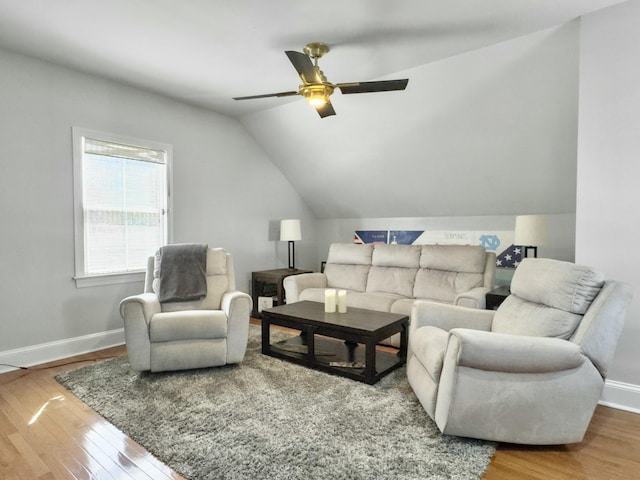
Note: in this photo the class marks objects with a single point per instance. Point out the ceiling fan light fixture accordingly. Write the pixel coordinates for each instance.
(317, 99)
(316, 95)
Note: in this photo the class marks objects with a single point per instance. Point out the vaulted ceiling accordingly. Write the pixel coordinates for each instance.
(208, 51)
(465, 120)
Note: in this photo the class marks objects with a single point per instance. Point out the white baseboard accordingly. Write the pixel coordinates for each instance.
(52, 351)
(623, 396)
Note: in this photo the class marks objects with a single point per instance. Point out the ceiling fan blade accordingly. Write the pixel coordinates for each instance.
(325, 110)
(267, 95)
(368, 87)
(303, 65)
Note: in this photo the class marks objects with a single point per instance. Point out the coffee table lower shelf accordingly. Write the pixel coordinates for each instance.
(331, 353)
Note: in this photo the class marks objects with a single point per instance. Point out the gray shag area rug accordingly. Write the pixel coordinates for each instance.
(270, 419)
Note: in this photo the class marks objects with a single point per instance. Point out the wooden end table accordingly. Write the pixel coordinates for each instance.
(272, 280)
(496, 296)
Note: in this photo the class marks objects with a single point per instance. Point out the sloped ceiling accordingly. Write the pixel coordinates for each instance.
(487, 125)
(208, 51)
(488, 132)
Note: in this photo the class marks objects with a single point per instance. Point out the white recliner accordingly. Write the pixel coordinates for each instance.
(531, 372)
(179, 335)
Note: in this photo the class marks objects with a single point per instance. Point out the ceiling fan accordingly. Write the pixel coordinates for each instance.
(316, 89)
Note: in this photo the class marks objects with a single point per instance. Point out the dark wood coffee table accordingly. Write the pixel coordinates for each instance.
(354, 357)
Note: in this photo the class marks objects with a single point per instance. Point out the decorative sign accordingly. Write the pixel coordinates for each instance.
(508, 255)
(404, 237)
(371, 236)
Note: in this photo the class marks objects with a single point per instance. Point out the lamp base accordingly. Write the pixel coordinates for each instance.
(292, 255)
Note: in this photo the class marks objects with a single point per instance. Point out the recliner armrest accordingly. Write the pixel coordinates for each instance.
(502, 352)
(146, 304)
(295, 284)
(426, 313)
(231, 301)
(137, 311)
(237, 306)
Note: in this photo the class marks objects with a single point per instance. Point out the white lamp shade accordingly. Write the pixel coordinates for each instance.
(531, 230)
(290, 230)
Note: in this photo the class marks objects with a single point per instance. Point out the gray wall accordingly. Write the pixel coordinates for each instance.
(609, 168)
(226, 193)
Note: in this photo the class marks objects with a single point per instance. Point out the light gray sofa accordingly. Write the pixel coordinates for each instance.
(530, 372)
(389, 277)
(180, 335)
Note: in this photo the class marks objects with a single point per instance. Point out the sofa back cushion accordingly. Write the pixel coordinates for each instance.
(396, 280)
(448, 270)
(548, 298)
(404, 256)
(348, 265)
(350, 253)
(393, 269)
(453, 258)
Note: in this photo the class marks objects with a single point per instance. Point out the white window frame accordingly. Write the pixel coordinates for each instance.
(78, 134)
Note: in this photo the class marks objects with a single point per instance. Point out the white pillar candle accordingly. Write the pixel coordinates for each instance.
(330, 300)
(342, 301)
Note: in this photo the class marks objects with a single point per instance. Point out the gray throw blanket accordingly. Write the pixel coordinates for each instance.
(182, 272)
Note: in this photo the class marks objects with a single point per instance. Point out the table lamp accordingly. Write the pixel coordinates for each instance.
(531, 232)
(290, 232)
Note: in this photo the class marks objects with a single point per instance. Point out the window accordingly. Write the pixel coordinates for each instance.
(121, 194)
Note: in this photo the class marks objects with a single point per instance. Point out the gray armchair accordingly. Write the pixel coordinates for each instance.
(531, 372)
(179, 335)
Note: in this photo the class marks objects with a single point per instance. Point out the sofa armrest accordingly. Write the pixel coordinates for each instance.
(237, 307)
(474, 298)
(425, 313)
(501, 352)
(295, 284)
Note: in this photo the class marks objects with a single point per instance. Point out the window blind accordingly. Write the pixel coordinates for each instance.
(124, 205)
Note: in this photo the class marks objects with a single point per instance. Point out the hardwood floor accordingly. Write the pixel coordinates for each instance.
(46, 433)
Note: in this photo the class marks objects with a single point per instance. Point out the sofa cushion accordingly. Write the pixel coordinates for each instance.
(407, 256)
(349, 277)
(404, 305)
(448, 270)
(453, 258)
(350, 254)
(395, 280)
(380, 302)
(561, 285)
(444, 285)
(370, 301)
